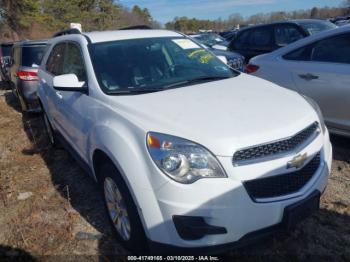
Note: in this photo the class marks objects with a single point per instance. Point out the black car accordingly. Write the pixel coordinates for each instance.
(5, 60)
(261, 39)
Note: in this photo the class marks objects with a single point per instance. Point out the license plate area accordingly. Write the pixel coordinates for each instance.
(297, 212)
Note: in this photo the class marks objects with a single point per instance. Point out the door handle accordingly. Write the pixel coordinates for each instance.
(59, 95)
(308, 77)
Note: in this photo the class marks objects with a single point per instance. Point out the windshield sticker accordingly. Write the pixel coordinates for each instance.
(185, 44)
(202, 56)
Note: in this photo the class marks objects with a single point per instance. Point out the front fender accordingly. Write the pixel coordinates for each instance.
(127, 150)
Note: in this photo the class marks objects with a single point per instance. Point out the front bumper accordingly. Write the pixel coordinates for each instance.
(225, 203)
(248, 239)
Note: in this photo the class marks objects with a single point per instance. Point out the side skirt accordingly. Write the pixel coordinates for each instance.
(81, 162)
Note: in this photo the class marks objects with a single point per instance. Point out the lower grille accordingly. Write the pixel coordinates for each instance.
(284, 184)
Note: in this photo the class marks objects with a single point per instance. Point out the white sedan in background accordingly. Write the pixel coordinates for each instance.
(318, 67)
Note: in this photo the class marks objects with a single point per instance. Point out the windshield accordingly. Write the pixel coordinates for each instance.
(317, 27)
(32, 55)
(154, 64)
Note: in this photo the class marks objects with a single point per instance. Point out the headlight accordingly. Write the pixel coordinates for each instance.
(182, 160)
(318, 111)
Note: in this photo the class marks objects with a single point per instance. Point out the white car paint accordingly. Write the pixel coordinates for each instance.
(330, 88)
(223, 116)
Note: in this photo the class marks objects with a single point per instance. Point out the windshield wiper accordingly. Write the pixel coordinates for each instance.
(195, 80)
(173, 85)
(134, 92)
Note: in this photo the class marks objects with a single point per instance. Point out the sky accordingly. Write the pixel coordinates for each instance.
(165, 10)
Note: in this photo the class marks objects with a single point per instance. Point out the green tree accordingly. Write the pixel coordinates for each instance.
(18, 14)
(144, 14)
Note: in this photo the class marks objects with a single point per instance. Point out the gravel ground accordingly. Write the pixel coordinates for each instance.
(51, 210)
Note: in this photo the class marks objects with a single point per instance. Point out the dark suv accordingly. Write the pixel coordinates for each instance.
(5, 59)
(26, 59)
(261, 39)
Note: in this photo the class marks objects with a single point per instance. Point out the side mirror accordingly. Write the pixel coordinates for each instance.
(68, 82)
(223, 58)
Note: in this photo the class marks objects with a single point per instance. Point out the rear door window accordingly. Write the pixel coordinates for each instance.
(32, 55)
(242, 40)
(261, 38)
(333, 50)
(286, 34)
(54, 63)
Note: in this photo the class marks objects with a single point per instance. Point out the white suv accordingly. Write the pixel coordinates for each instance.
(189, 153)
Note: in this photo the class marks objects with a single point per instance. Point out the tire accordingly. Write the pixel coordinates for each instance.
(49, 131)
(135, 240)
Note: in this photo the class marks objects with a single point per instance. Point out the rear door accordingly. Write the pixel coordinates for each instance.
(74, 107)
(53, 67)
(241, 44)
(322, 72)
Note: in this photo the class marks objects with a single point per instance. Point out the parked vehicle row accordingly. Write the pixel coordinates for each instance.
(188, 153)
(262, 39)
(318, 67)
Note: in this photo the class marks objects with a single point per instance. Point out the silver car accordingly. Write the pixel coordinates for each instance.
(26, 58)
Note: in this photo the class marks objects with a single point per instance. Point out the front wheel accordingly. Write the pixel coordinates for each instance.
(122, 211)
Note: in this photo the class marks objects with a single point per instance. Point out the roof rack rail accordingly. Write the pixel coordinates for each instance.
(71, 31)
(136, 27)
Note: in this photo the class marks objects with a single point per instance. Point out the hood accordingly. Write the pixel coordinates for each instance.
(223, 115)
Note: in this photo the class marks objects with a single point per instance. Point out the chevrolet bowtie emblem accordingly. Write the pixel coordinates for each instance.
(297, 161)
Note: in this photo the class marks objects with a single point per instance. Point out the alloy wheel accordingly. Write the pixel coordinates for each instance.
(117, 208)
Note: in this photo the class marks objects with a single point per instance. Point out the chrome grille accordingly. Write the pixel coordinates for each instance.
(284, 184)
(275, 148)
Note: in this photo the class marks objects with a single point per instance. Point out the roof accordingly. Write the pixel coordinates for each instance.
(7, 44)
(106, 36)
(292, 21)
(311, 39)
(32, 42)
